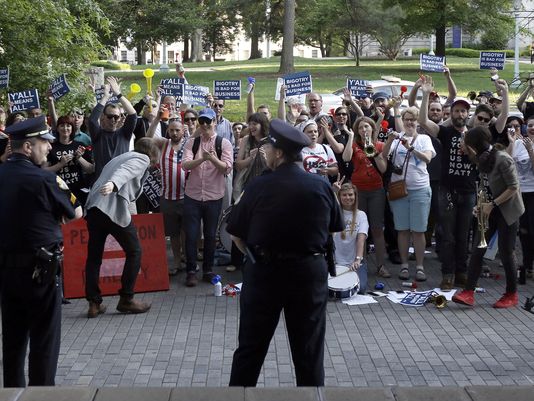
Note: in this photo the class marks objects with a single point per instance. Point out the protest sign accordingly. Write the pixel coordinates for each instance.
(173, 87)
(431, 63)
(358, 87)
(490, 60)
(152, 187)
(416, 298)
(59, 87)
(4, 77)
(99, 94)
(298, 83)
(227, 90)
(25, 100)
(196, 95)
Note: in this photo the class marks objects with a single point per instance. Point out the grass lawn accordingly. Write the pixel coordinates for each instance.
(327, 75)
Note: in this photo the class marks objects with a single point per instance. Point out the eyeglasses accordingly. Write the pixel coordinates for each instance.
(514, 126)
(203, 120)
(341, 114)
(220, 106)
(188, 119)
(483, 119)
(113, 116)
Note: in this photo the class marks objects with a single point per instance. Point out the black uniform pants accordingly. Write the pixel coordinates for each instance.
(30, 311)
(100, 226)
(300, 289)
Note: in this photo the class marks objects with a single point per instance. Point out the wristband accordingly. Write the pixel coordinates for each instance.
(119, 95)
(397, 116)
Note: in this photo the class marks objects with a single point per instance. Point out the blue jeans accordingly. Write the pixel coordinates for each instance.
(208, 213)
(456, 216)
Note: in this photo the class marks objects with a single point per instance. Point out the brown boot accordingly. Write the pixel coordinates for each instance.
(95, 309)
(447, 282)
(129, 305)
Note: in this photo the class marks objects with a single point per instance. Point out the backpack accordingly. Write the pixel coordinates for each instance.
(218, 146)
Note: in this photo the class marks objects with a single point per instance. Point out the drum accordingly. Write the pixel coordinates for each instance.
(224, 237)
(344, 285)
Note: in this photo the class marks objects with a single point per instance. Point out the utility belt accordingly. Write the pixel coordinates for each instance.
(45, 263)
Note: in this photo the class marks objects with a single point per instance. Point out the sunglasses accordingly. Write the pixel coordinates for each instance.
(220, 106)
(188, 119)
(203, 120)
(113, 116)
(341, 114)
(483, 119)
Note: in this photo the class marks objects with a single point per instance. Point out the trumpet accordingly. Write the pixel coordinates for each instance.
(368, 147)
(439, 300)
(482, 197)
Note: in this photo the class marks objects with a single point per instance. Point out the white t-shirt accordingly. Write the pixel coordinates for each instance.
(525, 171)
(346, 248)
(417, 176)
(319, 157)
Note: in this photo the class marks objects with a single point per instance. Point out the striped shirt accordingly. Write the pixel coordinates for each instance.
(172, 174)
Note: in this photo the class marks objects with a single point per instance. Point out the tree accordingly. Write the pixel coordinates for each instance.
(41, 39)
(220, 25)
(287, 63)
(439, 15)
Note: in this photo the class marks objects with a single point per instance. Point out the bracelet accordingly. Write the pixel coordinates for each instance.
(397, 116)
(119, 95)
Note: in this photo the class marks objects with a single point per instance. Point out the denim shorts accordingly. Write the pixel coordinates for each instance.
(411, 212)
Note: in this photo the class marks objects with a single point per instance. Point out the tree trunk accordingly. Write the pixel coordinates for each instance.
(185, 56)
(287, 62)
(440, 41)
(196, 46)
(141, 55)
(254, 42)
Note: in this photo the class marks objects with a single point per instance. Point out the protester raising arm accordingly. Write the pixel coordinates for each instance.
(430, 126)
(347, 152)
(521, 100)
(502, 89)
(353, 105)
(281, 104)
(52, 110)
(412, 96)
(325, 131)
(451, 86)
(250, 102)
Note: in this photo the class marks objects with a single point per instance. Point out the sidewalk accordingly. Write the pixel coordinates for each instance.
(188, 339)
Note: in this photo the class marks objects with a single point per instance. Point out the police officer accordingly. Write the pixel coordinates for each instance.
(282, 223)
(32, 205)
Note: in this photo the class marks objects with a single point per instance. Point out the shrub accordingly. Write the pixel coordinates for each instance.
(420, 50)
(111, 65)
(472, 53)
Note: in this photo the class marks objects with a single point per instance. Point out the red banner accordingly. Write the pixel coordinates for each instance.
(153, 275)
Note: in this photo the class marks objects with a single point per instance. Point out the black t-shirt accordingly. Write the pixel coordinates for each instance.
(457, 171)
(72, 173)
(434, 167)
(383, 133)
(499, 137)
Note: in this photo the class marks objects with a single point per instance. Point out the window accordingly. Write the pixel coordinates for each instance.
(170, 56)
(315, 53)
(124, 55)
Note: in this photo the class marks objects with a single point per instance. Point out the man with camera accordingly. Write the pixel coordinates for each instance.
(34, 202)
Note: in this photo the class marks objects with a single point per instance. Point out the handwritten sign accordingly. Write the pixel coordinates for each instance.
(358, 87)
(59, 87)
(173, 87)
(99, 94)
(153, 275)
(227, 90)
(298, 83)
(431, 63)
(490, 60)
(25, 100)
(196, 95)
(4, 77)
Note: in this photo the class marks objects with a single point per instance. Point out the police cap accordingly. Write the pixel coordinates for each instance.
(30, 128)
(286, 137)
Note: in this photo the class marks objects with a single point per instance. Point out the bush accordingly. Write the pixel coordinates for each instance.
(420, 50)
(472, 53)
(111, 65)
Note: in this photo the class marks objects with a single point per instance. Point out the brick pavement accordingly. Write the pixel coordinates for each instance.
(188, 338)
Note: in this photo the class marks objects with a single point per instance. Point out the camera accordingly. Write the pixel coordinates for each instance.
(397, 169)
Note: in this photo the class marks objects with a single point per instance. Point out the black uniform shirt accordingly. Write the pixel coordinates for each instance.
(287, 210)
(31, 206)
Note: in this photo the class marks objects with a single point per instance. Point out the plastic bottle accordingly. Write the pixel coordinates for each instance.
(407, 284)
(480, 289)
(217, 286)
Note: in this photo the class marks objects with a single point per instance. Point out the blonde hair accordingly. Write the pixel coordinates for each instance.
(414, 111)
(349, 187)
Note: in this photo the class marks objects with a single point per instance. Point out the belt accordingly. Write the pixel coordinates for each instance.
(266, 255)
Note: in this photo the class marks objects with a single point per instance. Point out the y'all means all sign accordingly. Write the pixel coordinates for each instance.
(24, 100)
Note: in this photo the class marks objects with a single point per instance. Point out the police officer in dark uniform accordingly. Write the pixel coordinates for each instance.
(32, 205)
(282, 223)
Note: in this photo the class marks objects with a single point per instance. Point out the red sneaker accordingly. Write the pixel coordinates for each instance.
(507, 300)
(466, 297)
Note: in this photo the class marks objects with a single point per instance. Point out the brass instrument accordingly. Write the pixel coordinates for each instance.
(368, 147)
(482, 197)
(437, 299)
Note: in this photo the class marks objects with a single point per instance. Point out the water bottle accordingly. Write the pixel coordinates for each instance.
(251, 83)
(217, 286)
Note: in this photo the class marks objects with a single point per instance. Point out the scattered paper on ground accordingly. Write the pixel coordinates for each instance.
(358, 299)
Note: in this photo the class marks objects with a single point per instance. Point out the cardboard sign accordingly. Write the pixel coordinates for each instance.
(4, 77)
(153, 275)
(431, 63)
(358, 87)
(227, 90)
(152, 187)
(416, 298)
(490, 60)
(298, 83)
(25, 100)
(196, 95)
(99, 94)
(173, 87)
(59, 87)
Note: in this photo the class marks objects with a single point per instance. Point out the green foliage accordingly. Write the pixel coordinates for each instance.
(111, 65)
(473, 53)
(42, 39)
(220, 25)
